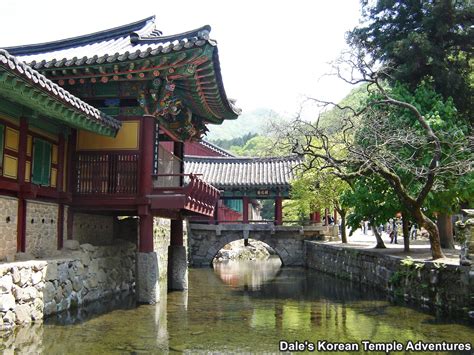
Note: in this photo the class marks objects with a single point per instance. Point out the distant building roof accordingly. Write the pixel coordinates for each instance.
(216, 148)
(24, 85)
(243, 172)
(199, 83)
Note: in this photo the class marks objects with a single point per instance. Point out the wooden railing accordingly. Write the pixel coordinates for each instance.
(199, 196)
(107, 173)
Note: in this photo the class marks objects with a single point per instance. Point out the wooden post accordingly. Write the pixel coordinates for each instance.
(315, 217)
(146, 233)
(71, 153)
(178, 151)
(278, 210)
(245, 210)
(176, 233)
(60, 228)
(21, 220)
(335, 217)
(21, 226)
(326, 216)
(22, 151)
(215, 218)
(146, 155)
(59, 188)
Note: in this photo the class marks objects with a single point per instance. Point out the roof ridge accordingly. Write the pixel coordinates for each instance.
(235, 159)
(38, 48)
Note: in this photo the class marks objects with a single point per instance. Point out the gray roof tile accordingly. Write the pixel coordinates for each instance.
(224, 172)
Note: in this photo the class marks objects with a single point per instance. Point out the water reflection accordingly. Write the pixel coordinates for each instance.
(227, 310)
(248, 274)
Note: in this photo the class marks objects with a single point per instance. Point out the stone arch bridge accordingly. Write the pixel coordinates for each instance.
(206, 240)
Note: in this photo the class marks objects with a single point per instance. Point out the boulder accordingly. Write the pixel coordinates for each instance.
(6, 283)
(22, 313)
(7, 302)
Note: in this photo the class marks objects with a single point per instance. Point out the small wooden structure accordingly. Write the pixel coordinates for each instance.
(246, 179)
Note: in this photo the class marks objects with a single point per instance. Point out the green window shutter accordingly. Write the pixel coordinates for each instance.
(41, 162)
(46, 163)
(2, 132)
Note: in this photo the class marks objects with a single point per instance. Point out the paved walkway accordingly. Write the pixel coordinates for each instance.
(419, 249)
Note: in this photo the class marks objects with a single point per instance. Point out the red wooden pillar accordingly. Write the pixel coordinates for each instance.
(146, 233)
(245, 210)
(176, 233)
(146, 155)
(21, 226)
(215, 217)
(59, 187)
(315, 217)
(146, 183)
(71, 153)
(278, 210)
(178, 151)
(21, 220)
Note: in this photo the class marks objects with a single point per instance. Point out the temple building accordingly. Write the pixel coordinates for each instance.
(83, 126)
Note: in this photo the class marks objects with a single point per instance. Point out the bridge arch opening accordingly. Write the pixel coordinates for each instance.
(248, 250)
(246, 265)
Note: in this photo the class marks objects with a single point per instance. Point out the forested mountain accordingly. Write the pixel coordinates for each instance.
(252, 122)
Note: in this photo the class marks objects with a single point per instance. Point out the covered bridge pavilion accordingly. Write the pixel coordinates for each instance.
(247, 179)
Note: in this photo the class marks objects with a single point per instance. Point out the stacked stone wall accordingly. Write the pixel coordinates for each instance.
(93, 229)
(161, 241)
(449, 288)
(32, 290)
(8, 227)
(41, 228)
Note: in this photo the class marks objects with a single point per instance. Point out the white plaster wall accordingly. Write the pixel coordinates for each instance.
(93, 229)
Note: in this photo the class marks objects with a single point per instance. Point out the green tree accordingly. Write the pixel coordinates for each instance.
(421, 39)
(313, 190)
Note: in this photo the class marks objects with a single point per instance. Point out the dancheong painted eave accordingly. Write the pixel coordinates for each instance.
(238, 172)
(26, 86)
(140, 45)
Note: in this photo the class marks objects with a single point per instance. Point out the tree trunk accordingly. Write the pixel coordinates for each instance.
(380, 243)
(406, 233)
(432, 229)
(342, 213)
(445, 227)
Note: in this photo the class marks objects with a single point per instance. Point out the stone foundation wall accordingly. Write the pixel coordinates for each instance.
(41, 228)
(93, 229)
(8, 227)
(34, 289)
(161, 241)
(446, 287)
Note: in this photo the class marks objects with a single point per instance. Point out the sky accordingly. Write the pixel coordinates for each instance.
(273, 54)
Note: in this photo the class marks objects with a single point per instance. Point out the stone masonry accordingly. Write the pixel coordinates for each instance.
(92, 228)
(31, 290)
(287, 241)
(425, 283)
(8, 227)
(41, 228)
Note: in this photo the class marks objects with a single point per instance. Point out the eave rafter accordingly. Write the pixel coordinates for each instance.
(21, 92)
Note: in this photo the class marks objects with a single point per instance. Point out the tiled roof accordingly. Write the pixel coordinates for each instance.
(137, 41)
(129, 42)
(216, 148)
(12, 69)
(243, 172)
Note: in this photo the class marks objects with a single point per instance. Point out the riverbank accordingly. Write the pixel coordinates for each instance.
(442, 285)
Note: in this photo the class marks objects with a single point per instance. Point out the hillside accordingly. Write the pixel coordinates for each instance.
(253, 122)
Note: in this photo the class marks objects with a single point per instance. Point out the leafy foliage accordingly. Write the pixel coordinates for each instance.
(419, 40)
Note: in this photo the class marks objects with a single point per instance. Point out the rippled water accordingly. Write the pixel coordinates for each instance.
(237, 307)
